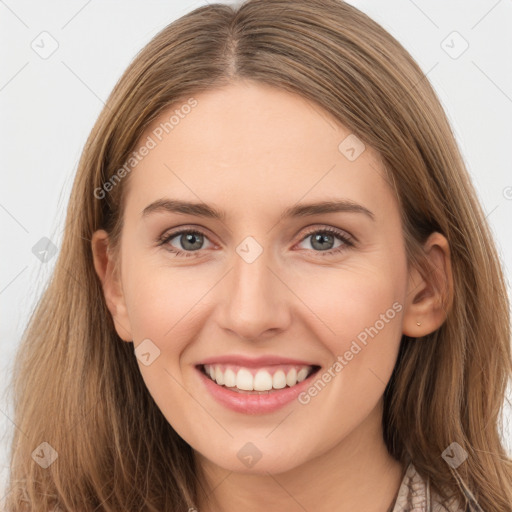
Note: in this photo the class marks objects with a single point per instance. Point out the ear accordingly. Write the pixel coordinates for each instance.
(429, 294)
(107, 271)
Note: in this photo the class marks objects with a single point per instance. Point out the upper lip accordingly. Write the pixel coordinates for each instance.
(253, 362)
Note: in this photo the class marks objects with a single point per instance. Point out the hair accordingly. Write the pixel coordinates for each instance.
(78, 387)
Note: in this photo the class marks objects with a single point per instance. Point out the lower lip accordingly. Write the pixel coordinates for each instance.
(254, 403)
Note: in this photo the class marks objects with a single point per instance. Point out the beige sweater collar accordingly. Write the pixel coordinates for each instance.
(415, 494)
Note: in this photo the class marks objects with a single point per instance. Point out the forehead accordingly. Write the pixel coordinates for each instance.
(250, 145)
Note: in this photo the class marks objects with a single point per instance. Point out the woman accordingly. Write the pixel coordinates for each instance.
(259, 367)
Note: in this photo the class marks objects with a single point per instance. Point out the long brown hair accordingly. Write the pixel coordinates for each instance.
(77, 385)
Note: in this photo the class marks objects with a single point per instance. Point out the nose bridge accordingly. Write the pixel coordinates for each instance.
(254, 299)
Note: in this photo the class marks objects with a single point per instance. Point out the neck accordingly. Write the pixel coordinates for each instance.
(356, 474)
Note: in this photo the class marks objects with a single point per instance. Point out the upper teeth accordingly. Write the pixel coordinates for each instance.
(262, 380)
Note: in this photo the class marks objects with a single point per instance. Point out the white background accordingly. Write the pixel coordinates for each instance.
(48, 106)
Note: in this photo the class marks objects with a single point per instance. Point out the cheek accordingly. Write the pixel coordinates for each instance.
(358, 318)
(347, 302)
(363, 312)
(163, 305)
(160, 300)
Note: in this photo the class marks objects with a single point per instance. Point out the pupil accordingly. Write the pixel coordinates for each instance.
(321, 237)
(190, 238)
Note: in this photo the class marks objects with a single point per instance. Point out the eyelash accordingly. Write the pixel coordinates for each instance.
(347, 241)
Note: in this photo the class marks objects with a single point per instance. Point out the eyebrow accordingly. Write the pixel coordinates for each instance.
(299, 210)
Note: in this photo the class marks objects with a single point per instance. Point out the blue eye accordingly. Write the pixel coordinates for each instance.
(322, 238)
(191, 241)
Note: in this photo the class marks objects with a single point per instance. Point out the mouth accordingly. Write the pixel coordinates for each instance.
(257, 381)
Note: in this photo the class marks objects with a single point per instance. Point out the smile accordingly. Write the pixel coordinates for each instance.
(253, 390)
(257, 380)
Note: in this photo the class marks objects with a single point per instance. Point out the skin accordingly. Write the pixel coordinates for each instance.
(253, 150)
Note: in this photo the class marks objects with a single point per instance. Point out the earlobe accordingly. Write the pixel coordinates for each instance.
(430, 293)
(105, 268)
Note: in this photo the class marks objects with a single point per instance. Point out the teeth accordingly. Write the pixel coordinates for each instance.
(229, 378)
(279, 380)
(246, 380)
(262, 381)
(302, 375)
(219, 376)
(291, 377)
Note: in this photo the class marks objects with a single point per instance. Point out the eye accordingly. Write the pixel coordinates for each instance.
(322, 241)
(190, 240)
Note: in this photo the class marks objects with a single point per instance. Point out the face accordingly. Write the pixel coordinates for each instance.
(268, 291)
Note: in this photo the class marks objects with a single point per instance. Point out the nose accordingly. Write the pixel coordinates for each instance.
(255, 299)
